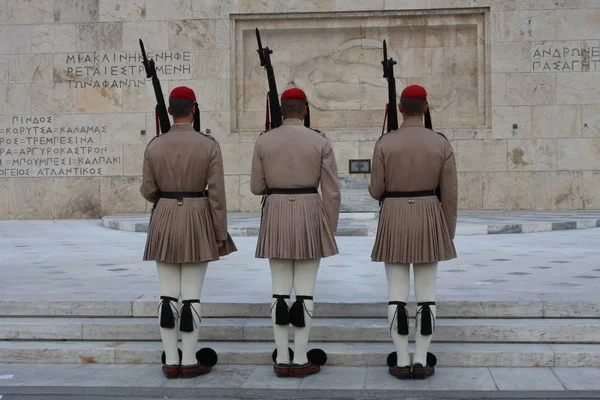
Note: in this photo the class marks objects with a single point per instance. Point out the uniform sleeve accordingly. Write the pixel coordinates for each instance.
(330, 186)
(449, 189)
(216, 193)
(258, 183)
(377, 185)
(149, 188)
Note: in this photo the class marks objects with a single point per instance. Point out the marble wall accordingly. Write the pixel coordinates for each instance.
(514, 84)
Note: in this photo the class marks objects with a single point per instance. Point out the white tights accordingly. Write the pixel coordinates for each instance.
(181, 281)
(300, 275)
(398, 277)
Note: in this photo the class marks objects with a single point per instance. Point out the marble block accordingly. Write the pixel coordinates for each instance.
(79, 198)
(31, 198)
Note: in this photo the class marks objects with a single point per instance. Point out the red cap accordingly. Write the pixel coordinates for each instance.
(293, 94)
(414, 92)
(183, 92)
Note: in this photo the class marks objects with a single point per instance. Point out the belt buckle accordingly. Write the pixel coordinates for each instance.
(292, 199)
(411, 201)
(180, 201)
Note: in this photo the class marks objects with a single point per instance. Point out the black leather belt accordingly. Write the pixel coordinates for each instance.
(181, 195)
(308, 190)
(416, 193)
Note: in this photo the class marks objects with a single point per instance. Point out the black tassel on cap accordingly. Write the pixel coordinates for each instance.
(297, 311)
(167, 319)
(401, 316)
(428, 124)
(197, 118)
(187, 318)
(307, 116)
(427, 319)
(282, 312)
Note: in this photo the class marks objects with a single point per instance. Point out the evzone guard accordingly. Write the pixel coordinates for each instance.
(297, 226)
(414, 178)
(183, 177)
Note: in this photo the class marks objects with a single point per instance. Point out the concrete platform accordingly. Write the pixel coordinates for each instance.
(365, 223)
(229, 382)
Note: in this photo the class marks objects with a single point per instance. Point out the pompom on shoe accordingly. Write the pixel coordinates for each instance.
(207, 358)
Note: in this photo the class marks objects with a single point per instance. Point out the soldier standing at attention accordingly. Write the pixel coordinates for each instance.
(188, 228)
(297, 227)
(411, 167)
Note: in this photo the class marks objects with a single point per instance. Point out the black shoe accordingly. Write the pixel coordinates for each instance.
(422, 372)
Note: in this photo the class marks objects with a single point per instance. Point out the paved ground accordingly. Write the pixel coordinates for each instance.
(81, 260)
(365, 224)
(239, 381)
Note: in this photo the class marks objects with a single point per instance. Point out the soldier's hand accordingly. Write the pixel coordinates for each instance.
(220, 244)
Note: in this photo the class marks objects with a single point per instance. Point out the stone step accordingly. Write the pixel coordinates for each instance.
(146, 307)
(339, 354)
(323, 330)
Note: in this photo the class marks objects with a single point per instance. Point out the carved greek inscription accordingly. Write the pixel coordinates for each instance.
(552, 58)
(120, 69)
(34, 146)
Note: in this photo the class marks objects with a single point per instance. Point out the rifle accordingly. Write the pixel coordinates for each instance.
(391, 108)
(162, 117)
(276, 118)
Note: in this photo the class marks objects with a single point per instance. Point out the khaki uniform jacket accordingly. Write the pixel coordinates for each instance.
(183, 160)
(293, 156)
(414, 158)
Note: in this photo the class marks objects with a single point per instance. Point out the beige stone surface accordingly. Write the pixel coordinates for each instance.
(591, 189)
(590, 116)
(212, 64)
(543, 190)
(31, 198)
(562, 4)
(498, 89)
(567, 190)
(16, 39)
(530, 89)
(508, 190)
(504, 119)
(54, 38)
(122, 10)
(3, 11)
(30, 11)
(262, 6)
(248, 201)
(511, 57)
(223, 34)
(208, 9)
(470, 190)
(481, 155)
(105, 100)
(578, 88)
(192, 34)
(237, 157)
(355, 5)
(76, 10)
(577, 24)
(121, 195)
(4, 195)
(30, 68)
(345, 151)
(99, 37)
(77, 198)
(366, 148)
(53, 98)
(175, 9)
(15, 99)
(113, 129)
(153, 33)
(140, 99)
(579, 154)
(311, 5)
(232, 192)
(133, 159)
(520, 26)
(532, 154)
(4, 69)
(556, 121)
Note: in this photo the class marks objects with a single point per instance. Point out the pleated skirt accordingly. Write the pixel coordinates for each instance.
(412, 232)
(183, 234)
(295, 229)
